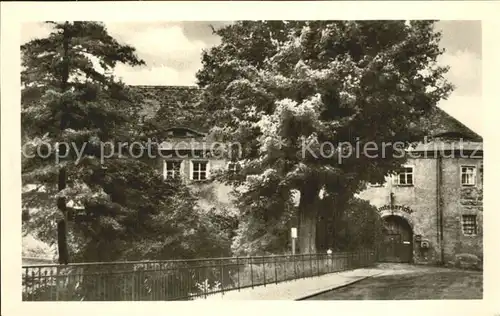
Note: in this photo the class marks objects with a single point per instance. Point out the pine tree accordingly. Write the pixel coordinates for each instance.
(282, 89)
(68, 101)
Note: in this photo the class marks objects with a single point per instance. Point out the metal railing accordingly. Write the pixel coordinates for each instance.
(177, 279)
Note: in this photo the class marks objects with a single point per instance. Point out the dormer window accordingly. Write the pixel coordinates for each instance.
(182, 132)
(199, 170)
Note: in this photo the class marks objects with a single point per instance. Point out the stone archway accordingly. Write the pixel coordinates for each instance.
(397, 245)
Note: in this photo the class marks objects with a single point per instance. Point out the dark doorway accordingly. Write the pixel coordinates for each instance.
(397, 245)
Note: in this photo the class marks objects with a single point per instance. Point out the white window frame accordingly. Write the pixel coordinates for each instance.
(473, 175)
(396, 177)
(475, 224)
(166, 171)
(192, 171)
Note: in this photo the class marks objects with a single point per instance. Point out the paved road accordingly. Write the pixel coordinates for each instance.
(407, 282)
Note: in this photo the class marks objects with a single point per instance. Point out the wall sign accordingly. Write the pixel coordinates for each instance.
(402, 208)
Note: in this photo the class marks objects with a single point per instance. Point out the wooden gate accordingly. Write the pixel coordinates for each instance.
(397, 245)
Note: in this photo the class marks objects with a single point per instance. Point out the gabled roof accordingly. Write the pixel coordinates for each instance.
(183, 138)
(158, 96)
(173, 106)
(439, 124)
(440, 146)
(436, 123)
(186, 145)
(181, 131)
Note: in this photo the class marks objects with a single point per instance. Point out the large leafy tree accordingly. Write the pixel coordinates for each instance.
(116, 205)
(295, 94)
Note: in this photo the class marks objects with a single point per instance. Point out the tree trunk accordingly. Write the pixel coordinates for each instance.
(308, 220)
(324, 226)
(307, 232)
(62, 243)
(62, 225)
(339, 227)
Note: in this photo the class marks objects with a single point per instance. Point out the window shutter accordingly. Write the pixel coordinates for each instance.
(191, 168)
(395, 179)
(164, 169)
(181, 170)
(208, 169)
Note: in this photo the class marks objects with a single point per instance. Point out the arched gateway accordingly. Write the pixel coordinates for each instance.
(397, 243)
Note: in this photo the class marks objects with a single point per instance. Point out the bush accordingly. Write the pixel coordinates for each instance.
(468, 261)
(356, 224)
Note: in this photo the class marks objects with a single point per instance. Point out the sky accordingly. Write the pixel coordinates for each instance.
(172, 52)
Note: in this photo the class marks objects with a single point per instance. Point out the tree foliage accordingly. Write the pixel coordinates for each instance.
(358, 227)
(265, 217)
(284, 89)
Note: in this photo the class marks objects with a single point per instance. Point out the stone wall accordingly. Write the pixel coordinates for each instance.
(461, 200)
(211, 193)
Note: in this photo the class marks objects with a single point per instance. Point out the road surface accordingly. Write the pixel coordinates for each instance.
(408, 282)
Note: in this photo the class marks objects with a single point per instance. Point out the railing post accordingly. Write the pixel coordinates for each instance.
(264, 268)
(251, 270)
(317, 263)
(205, 282)
(303, 265)
(294, 268)
(222, 275)
(330, 263)
(275, 271)
(310, 263)
(132, 279)
(285, 265)
(57, 282)
(238, 271)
